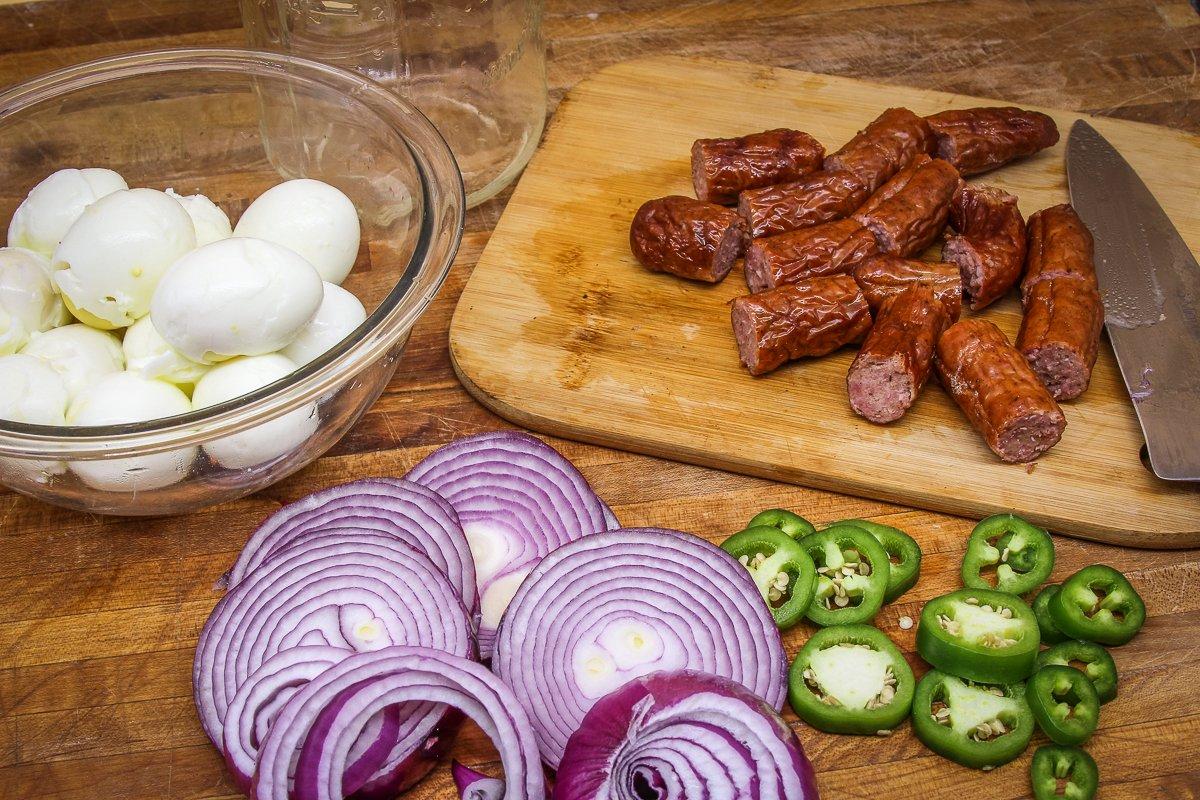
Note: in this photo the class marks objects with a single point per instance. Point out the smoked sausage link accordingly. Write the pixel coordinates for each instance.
(881, 277)
(808, 319)
(997, 390)
(976, 140)
(721, 168)
(828, 249)
(686, 237)
(819, 197)
(1060, 246)
(894, 361)
(884, 147)
(908, 212)
(989, 247)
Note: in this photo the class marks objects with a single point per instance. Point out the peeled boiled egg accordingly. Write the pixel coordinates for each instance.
(128, 397)
(45, 215)
(28, 302)
(81, 355)
(265, 441)
(212, 224)
(339, 314)
(310, 217)
(33, 393)
(236, 297)
(151, 356)
(112, 258)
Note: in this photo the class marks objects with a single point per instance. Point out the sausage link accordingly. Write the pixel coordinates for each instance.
(894, 361)
(808, 319)
(820, 197)
(881, 277)
(1060, 334)
(976, 140)
(828, 249)
(908, 212)
(884, 147)
(721, 168)
(997, 390)
(686, 237)
(1060, 245)
(989, 247)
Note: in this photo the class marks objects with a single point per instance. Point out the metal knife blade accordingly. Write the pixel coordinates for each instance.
(1150, 282)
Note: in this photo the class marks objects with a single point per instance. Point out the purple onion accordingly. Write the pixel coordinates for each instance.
(474, 785)
(325, 719)
(675, 735)
(517, 499)
(608, 608)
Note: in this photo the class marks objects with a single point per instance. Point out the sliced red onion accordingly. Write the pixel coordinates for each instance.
(327, 717)
(415, 514)
(474, 785)
(611, 607)
(675, 735)
(517, 499)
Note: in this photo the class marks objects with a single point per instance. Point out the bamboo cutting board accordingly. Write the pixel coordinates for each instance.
(560, 330)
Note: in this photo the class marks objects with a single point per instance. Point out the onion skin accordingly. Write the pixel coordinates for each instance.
(638, 739)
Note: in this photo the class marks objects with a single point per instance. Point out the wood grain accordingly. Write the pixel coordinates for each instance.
(88, 711)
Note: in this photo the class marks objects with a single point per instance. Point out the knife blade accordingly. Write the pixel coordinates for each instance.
(1150, 283)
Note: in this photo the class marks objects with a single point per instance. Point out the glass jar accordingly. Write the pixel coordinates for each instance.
(476, 68)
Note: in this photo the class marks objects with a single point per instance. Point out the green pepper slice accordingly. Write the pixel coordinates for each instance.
(851, 679)
(1097, 663)
(1041, 609)
(976, 725)
(782, 570)
(1063, 773)
(904, 555)
(1098, 604)
(852, 575)
(1064, 703)
(979, 634)
(1023, 555)
(793, 525)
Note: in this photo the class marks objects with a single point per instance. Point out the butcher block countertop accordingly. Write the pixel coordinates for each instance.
(99, 617)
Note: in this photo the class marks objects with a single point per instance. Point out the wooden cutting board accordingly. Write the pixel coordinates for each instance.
(560, 330)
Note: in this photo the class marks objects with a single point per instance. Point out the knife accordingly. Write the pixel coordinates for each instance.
(1150, 283)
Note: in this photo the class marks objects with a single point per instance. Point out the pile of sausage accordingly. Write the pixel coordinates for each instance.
(830, 246)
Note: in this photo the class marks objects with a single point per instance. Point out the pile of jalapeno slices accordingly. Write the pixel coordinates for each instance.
(1001, 668)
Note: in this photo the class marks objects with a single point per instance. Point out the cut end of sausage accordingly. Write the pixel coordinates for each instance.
(745, 333)
(1026, 437)
(729, 248)
(1060, 370)
(700, 177)
(880, 390)
(758, 269)
(959, 251)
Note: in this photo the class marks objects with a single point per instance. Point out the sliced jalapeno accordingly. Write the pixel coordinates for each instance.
(851, 679)
(904, 555)
(793, 525)
(979, 634)
(976, 725)
(1023, 555)
(1096, 663)
(1098, 604)
(782, 570)
(1041, 609)
(1063, 773)
(852, 575)
(1064, 703)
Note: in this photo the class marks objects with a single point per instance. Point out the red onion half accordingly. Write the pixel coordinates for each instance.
(608, 608)
(675, 735)
(325, 719)
(517, 499)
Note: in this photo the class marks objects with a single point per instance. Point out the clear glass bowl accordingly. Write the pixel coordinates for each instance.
(230, 124)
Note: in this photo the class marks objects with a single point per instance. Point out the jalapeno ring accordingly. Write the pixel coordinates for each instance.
(1070, 766)
(979, 634)
(976, 725)
(1098, 604)
(783, 572)
(1064, 703)
(1098, 664)
(793, 525)
(904, 555)
(852, 575)
(1023, 555)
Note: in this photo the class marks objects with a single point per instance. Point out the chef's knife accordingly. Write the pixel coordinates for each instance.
(1150, 282)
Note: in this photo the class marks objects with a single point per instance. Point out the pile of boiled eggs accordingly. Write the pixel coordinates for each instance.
(122, 305)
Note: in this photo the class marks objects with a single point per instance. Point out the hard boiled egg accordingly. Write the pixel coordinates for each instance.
(79, 354)
(51, 207)
(310, 217)
(114, 255)
(149, 355)
(268, 440)
(33, 393)
(339, 314)
(28, 302)
(128, 397)
(236, 297)
(212, 224)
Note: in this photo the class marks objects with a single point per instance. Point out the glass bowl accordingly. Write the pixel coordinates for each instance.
(230, 124)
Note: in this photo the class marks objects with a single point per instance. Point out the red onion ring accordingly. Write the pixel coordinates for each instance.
(325, 718)
(415, 514)
(611, 607)
(675, 735)
(517, 499)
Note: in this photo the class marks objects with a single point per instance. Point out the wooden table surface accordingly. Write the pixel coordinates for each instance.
(99, 617)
